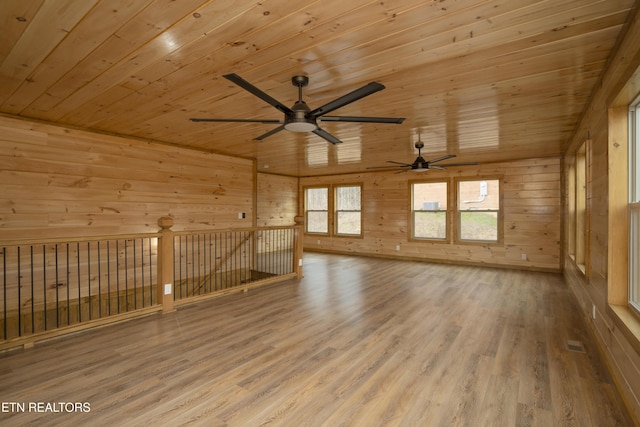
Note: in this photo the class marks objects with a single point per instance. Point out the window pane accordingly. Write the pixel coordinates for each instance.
(317, 199)
(317, 210)
(317, 222)
(430, 196)
(430, 225)
(429, 206)
(348, 223)
(479, 195)
(634, 256)
(348, 215)
(348, 198)
(478, 225)
(580, 212)
(478, 205)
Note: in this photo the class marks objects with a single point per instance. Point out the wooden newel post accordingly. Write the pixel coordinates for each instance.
(165, 264)
(298, 247)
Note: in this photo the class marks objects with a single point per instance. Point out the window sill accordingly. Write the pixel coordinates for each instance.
(628, 323)
(478, 242)
(428, 240)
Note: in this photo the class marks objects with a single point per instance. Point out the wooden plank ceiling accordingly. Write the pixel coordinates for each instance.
(487, 80)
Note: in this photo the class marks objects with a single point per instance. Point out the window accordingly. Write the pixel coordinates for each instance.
(571, 210)
(478, 210)
(577, 207)
(476, 215)
(623, 181)
(333, 210)
(581, 208)
(634, 205)
(348, 213)
(429, 210)
(317, 210)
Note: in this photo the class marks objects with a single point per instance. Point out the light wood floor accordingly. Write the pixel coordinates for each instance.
(358, 342)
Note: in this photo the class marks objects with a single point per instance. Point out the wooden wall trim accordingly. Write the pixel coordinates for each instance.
(437, 260)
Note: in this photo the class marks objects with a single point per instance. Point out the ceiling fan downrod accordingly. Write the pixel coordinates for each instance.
(298, 121)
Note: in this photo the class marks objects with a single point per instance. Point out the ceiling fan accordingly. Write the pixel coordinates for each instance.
(300, 118)
(420, 164)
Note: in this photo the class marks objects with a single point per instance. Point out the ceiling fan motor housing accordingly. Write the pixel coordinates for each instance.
(298, 120)
(420, 163)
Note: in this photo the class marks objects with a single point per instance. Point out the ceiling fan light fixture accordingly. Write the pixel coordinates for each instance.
(300, 126)
(298, 120)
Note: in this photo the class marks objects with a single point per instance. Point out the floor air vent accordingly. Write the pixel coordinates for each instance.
(575, 346)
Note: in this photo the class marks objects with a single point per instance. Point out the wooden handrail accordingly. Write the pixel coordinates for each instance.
(233, 230)
(53, 240)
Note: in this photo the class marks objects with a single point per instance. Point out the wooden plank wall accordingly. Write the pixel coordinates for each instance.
(595, 289)
(277, 200)
(532, 209)
(62, 182)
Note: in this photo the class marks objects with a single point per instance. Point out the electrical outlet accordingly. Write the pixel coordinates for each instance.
(167, 289)
(318, 242)
(524, 257)
(397, 247)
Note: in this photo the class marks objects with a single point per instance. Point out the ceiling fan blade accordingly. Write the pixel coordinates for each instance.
(435, 167)
(196, 119)
(257, 92)
(326, 135)
(357, 94)
(459, 164)
(271, 132)
(362, 119)
(399, 163)
(389, 167)
(439, 159)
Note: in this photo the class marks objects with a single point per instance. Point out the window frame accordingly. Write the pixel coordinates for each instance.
(447, 212)
(633, 201)
(457, 218)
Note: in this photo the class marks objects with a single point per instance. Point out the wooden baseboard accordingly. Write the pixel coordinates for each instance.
(437, 260)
